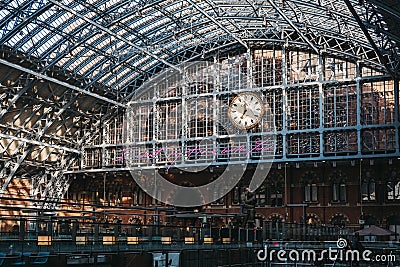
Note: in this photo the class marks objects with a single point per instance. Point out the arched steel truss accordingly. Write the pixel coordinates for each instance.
(68, 67)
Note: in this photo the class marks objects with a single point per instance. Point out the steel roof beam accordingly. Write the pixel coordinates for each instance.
(386, 8)
(13, 170)
(39, 143)
(28, 149)
(369, 37)
(290, 22)
(217, 23)
(67, 85)
(15, 98)
(113, 34)
(23, 22)
(24, 131)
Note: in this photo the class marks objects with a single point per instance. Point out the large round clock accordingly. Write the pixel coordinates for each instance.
(246, 110)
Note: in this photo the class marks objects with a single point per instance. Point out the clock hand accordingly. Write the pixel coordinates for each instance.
(244, 112)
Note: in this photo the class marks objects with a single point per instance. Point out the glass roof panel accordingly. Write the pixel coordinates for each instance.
(76, 23)
(154, 25)
(105, 43)
(4, 13)
(169, 28)
(77, 57)
(91, 63)
(60, 20)
(16, 38)
(37, 38)
(45, 15)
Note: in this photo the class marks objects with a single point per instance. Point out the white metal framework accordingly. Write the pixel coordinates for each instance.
(320, 108)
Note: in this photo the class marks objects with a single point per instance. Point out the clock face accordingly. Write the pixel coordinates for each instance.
(246, 110)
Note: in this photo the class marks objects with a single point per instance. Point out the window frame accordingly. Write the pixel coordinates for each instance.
(339, 192)
(396, 187)
(310, 193)
(366, 186)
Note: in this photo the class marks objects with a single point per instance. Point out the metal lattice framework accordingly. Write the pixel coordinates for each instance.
(68, 68)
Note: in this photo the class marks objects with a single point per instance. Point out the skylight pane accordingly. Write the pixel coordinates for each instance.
(75, 24)
(3, 13)
(47, 45)
(90, 64)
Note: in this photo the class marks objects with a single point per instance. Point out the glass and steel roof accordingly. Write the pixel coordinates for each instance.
(116, 45)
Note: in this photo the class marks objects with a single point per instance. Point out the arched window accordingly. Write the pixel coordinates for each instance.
(393, 187)
(339, 192)
(238, 193)
(310, 185)
(368, 192)
(311, 192)
(339, 189)
(261, 195)
(275, 190)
